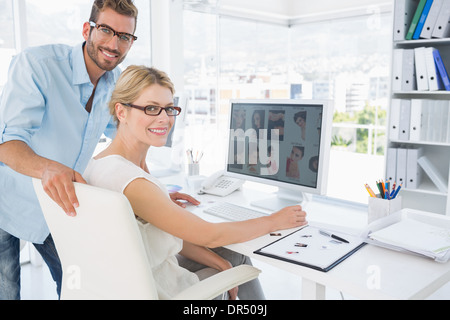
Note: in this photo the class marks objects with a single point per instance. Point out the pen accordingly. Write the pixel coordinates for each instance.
(326, 234)
(393, 190)
(397, 191)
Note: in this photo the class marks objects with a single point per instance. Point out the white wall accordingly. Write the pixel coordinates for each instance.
(290, 9)
(308, 7)
(275, 7)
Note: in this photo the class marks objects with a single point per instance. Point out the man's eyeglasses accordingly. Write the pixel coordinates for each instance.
(156, 111)
(106, 33)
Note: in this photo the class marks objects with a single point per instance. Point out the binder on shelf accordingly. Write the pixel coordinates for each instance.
(397, 69)
(434, 79)
(423, 17)
(404, 12)
(436, 110)
(391, 164)
(431, 134)
(421, 69)
(430, 121)
(394, 119)
(426, 107)
(413, 171)
(401, 166)
(415, 128)
(442, 26)
(408, 71)
(445, 121)
(433, 173)
(405, 118)
(431, 20)
(441, 124)
(415, 19)
(441, 69)
(448, 126)
(403, 71)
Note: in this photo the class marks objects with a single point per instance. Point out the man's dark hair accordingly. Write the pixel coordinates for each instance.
(123, 7)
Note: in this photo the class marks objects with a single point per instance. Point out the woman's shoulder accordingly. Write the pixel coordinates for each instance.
(116, 172)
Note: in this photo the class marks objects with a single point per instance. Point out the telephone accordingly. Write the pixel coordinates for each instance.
(220, 185)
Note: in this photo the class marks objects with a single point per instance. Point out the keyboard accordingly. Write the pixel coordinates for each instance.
(233, 212)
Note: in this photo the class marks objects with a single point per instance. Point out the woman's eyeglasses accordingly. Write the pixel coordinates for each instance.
(156, 111)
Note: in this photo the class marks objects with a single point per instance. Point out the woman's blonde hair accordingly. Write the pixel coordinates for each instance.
(133, 80)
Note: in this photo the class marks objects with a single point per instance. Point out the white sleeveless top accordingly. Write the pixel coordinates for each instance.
(115, 173)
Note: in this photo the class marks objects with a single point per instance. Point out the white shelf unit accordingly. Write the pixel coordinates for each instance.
(426, 196)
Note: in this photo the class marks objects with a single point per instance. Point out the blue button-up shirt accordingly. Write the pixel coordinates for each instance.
(43, 105)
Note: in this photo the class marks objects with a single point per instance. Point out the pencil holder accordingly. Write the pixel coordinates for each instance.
(193, 169)
(379, 208)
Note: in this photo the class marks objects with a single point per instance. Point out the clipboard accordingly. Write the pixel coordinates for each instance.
(309, 248)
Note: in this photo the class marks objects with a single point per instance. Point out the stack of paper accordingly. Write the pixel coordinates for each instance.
(422, 233)
(416, 236)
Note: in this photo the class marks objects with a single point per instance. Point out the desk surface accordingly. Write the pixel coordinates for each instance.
(371, 273)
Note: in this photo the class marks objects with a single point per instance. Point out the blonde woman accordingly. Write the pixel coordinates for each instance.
(142, 104)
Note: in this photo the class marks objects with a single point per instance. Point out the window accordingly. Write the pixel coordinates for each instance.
(7, 41)
(62, 22)
(56, 21)
(345, 60)
(253, 60)
(200, 56)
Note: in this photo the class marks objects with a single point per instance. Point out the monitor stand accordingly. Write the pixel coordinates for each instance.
(282, 198)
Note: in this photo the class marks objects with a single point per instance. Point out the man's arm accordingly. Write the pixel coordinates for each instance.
(57, 178)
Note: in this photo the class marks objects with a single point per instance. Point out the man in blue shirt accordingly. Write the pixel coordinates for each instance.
(53, 111)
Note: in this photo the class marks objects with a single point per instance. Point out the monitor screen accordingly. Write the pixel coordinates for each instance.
(280, 142)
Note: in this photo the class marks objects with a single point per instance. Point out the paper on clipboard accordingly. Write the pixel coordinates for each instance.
(309, 248)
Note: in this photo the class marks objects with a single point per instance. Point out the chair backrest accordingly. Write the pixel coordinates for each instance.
(101, 249)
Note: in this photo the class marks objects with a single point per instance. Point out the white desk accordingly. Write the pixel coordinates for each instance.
(370, 273)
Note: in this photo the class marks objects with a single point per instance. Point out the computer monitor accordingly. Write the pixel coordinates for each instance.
(167, 160)
(283, 143)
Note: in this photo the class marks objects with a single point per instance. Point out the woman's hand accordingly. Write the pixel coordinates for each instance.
(234, 291)
(289, 217)
(176, 196)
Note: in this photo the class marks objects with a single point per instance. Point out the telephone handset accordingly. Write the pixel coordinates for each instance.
(220, 185)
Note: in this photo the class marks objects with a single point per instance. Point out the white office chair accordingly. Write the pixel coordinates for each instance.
(103, 256)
